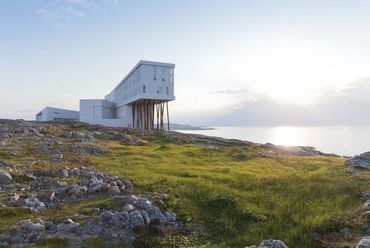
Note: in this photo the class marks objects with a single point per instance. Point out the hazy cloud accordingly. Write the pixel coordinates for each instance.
(347, 106)
(62, 13)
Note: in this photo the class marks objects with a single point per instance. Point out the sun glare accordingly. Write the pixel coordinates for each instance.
(287, 136)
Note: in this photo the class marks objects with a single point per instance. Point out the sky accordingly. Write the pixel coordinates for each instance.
(237, 62)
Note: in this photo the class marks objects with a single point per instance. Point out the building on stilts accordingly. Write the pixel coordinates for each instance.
(139, 101)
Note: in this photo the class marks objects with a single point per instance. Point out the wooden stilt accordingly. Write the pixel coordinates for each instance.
(168, 118)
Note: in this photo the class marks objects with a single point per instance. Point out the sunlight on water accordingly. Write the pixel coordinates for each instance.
(287, 136)
(341, 140)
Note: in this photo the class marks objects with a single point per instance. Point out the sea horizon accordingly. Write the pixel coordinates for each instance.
(340, 139)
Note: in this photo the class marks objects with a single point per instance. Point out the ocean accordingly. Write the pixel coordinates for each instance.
(341, 140)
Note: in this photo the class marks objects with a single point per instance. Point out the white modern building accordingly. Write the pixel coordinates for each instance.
(52, 114)
(140, 100)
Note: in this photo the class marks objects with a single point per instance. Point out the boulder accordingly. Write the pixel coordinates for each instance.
(345, 231)
(272, 243)
(170, 216)
(67, 226)
(35, 204)
(25, 224)
(37, 227)
(360, 161)
(57, 158)
(113, 190)
(159, 218)
(364, 242)
(128, 185)
(153, 210)
(128, 208)
(145, 216)
(136, 219)
(144, 204)
(5, 177)
(130, 198)
(106, 217)
(91, 228)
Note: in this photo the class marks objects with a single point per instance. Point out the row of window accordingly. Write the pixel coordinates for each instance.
(158, 90)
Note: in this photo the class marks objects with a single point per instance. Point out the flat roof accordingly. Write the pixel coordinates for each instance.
(142, 62)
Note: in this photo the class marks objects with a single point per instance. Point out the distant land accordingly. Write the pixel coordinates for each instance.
(175, 126)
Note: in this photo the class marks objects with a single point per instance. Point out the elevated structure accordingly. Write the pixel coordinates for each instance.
(140, 100)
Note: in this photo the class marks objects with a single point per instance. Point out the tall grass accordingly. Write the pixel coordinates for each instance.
(239, 196)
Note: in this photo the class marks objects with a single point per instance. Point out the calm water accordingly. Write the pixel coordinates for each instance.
(345, 141)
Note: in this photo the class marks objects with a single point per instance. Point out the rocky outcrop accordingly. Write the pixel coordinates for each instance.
(5, 177)
(271, 243)
(360, 161)
(364, 242)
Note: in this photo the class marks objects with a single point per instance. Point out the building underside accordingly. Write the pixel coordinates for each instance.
(149, 114)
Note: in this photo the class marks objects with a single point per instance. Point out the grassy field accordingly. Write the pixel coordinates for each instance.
(232, 196)
(236, 197)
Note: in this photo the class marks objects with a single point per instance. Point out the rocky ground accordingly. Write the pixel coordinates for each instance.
(50, 169)
(37, 186)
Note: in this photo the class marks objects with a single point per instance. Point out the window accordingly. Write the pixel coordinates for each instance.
(167, 90)
(143, 88)
(155, 73)
(162, 79)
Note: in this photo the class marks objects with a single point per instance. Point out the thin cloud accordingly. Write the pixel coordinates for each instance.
(229, 92)
(63, 13)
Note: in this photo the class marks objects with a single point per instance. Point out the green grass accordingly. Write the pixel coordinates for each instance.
(236, 196)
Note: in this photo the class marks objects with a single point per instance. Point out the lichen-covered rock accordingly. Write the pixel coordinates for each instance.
(360, 161)
(144, 204)
(272, 243)
(160, 218)
(34, 204)
(128, 208)
(136, 219)
(106, 217)
(5, 177)
(364, 242)
(91, 228)
(170, 216)
(67, 226)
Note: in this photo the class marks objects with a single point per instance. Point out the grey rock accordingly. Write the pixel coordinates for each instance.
(14, 197)
(144, 204)
(5, 177)
(128, 185)
(121, 219)
(25, 224)
(106, 217)
(57, 158)
(113, 190)
(159, 217)
(37, 227)
(360, 161)
(35, 204)
(272, 243)
(136, 219)
(130, 198)
(91, 228)
(67, 226)
(366, 195)
(345, 231)
(170, 216)
(128, 208)
(364, 242)
(145, 216)
(153, 210)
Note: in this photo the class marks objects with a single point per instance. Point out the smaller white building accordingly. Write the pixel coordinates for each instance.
(52, 114)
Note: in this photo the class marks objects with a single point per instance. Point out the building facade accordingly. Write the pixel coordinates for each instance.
(140, 100)
(53, 114)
